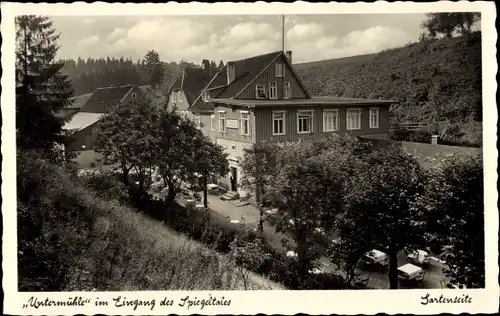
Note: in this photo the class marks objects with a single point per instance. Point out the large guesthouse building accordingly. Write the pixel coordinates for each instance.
(262, 98)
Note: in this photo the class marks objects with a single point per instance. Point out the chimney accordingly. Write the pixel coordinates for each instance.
(434, 139)
(289, 55)
(206, 64)
(230, 72)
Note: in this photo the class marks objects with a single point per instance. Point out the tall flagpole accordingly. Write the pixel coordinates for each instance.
(283, 33)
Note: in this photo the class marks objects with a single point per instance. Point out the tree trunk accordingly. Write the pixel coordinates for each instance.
(205, 192)
(393, 267)
(125, 175)
(261, 210)
(171, 193)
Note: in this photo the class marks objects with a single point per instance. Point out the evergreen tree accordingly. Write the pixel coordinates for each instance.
(448, 23)
(152, 69)
(41, 89)
(221, 64)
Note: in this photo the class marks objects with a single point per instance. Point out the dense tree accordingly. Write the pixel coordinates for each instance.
(382, 199)
(221, 64)
(183, 153)
(258, 168)
(152, 69)
(455, 201)
(128, 136)
(41, 90)
(308, 193)
(447, 24)
(211, 162)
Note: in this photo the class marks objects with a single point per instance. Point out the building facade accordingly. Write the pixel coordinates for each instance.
(263, 99)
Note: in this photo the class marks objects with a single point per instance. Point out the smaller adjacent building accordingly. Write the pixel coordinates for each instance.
(87, 110)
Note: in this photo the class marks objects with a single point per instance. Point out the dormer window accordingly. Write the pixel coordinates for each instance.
(260, 91)
(205, 96)
(280, 70)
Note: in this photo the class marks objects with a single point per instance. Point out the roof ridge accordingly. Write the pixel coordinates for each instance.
(256, 56)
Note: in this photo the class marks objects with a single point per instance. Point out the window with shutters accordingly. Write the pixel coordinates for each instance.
(353, 119)
(280, 70)
(279, 122)
(260, 91)
(305, 121)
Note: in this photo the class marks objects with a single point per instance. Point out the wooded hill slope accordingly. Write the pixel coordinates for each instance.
(434, 80)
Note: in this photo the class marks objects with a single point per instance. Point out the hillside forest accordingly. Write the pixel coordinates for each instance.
(436, 81)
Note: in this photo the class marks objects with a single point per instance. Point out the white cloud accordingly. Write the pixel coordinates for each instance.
(89, 41)
(116, 34)
(322, 46)
(301, 32)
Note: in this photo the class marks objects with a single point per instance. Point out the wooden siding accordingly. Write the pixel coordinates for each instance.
(181, 106)
(233, 113)
(264, 122)
(206, 126)
(270, 75)
(128, 96)
(81, 138)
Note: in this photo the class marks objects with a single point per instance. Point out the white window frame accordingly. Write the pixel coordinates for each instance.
(180, 97)
(197, 120)
(283, 119)
(134, 95)
(351, 128)
(243, 120)
(287, 87)
(274, 95)
(205, 96)
(174, 96)
(279, 70)
(299, 112)
(257, 91)
(222, 117)
(212, 122)
(377, 111)
(336, 115)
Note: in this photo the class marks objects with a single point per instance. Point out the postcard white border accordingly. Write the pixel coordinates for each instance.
(252, 302)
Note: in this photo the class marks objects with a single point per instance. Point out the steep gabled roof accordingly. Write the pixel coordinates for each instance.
(109, 96)
(246, 70)
(192, 81)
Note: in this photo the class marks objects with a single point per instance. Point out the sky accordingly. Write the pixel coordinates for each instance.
(193, 38)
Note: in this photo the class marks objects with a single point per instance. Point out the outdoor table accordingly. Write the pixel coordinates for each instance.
(375, 256)
(409, 271)
(235, 221)
(419, 256)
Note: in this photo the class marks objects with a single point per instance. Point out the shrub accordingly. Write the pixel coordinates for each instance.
(70, 239)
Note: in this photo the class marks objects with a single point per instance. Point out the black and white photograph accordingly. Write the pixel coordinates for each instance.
(249, 152)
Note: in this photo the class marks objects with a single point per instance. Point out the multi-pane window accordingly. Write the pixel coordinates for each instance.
(212, 122)
(353, 119)
(305, 121)
(260, 91)
(330, 120)
(374, 118)
(222, 122)
(279, 123)
(180, 97)
(273, 90)
(174, 96)
(280, 70)
(245, 123)
(134, 95)
(287, 90)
